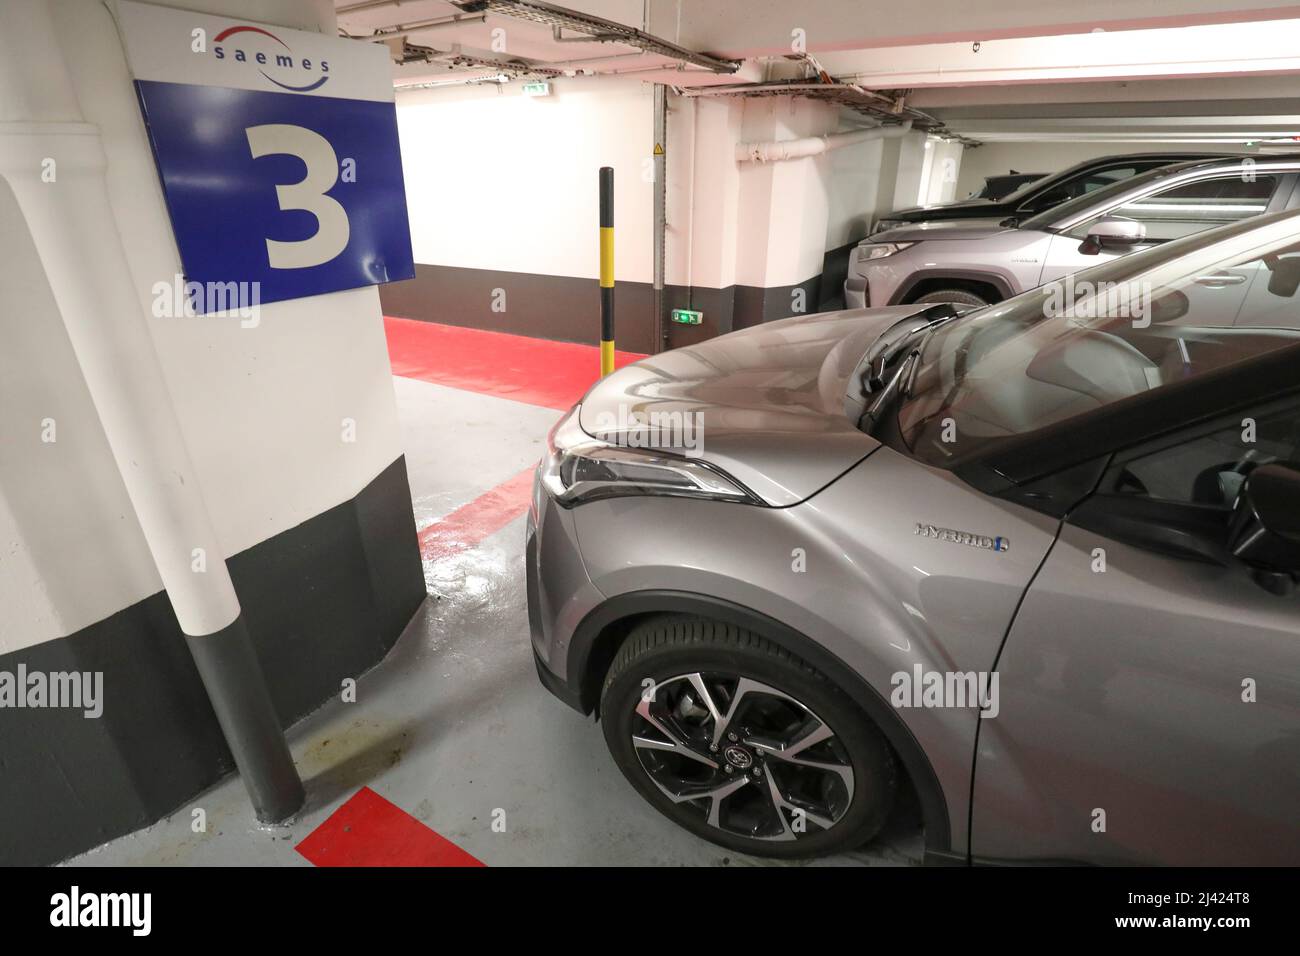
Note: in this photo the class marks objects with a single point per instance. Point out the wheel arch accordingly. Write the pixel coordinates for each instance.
(923, 277)
(596, 640)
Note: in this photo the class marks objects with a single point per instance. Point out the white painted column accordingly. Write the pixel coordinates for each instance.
(54, 165)
(784, 205)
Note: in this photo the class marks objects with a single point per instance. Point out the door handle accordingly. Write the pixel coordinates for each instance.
(1220, 280)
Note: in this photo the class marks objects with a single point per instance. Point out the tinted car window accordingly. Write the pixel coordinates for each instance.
(1094, 181)
(1192, 207)
(1210, 469)
(1079, 185)
(1109, 176)
(1084, 204)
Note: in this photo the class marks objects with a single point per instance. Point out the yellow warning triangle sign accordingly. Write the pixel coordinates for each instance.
(659, 149)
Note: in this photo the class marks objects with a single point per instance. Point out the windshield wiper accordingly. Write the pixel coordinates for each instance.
(873, 377)
(903, 380)
(906, 370)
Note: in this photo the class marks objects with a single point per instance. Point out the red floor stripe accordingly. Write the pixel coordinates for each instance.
(370, 831)
(536, 371)
(469, 524)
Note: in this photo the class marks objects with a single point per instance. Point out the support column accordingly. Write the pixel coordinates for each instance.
(784, 209)
(56, 173)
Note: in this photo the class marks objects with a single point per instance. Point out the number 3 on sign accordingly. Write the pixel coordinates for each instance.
(332, 228)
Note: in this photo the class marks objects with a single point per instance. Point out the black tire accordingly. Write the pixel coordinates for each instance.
(666, 650)
(959, 296)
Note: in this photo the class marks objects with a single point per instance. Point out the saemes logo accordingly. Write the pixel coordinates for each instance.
(285, 65)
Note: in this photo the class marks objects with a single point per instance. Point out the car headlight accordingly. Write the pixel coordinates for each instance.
(579, 468)
(881, 250)
(885, 224)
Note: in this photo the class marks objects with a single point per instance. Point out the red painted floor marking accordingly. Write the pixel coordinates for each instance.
(370, 831)
(468, 525)
(536, 371)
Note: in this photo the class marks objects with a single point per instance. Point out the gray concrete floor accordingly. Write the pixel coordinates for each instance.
(453, 725)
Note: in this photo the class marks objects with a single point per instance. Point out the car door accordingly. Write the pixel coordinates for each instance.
(1169, 213)
(1150, 695)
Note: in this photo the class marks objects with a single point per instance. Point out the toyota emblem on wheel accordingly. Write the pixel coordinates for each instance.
(738, 757)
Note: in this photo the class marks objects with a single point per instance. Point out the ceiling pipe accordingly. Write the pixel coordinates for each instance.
(367, 5)
(423, 26)
(815, 145)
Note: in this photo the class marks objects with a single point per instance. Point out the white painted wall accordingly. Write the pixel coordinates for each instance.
(261, 408)
(499, 180)
(525, 169)
(994, 158)
(855, 193)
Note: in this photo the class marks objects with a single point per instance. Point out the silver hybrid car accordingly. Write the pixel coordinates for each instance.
(978, 262)
(1035, 563)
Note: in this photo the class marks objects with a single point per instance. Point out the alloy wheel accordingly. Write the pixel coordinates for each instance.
(751, 759)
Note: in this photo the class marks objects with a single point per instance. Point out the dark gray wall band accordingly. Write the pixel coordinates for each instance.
(322, 601)
(567, 309)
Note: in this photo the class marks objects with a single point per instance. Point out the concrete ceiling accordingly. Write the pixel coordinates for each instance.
(1191, 71)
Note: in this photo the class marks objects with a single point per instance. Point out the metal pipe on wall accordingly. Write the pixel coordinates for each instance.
(660, 210)
(815, 145)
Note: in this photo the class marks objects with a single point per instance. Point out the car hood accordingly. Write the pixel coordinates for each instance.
(941, 229)
(776, 405)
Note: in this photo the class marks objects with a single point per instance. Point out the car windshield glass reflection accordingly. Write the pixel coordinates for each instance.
(1096, 338)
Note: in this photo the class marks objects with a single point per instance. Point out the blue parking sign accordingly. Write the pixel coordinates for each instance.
(277, 150)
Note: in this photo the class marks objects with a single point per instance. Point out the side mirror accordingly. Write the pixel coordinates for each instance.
(1110, 232)
(1264, 529)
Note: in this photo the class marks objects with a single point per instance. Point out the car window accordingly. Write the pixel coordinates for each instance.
(1189, 208)
(1210, 469)
(1082, 205)
(1082, 343)
(1103, 178)
(1080, 185)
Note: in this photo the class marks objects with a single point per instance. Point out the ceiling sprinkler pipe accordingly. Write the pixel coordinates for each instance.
(815, 145)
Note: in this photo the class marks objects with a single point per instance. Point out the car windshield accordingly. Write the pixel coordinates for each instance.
(1048, 182)
(1081, 204)
(1123, 328)
(1037, 184)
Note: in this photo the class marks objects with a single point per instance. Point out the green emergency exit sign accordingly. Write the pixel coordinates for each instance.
(687, 316)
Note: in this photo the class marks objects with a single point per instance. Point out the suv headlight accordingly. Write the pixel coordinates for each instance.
(579, 468)
(881, 250)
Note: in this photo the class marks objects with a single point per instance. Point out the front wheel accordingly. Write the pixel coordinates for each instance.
(955, 296)
(740, 742)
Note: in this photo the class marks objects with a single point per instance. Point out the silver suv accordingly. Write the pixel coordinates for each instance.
(1036, 563)
(978, 262)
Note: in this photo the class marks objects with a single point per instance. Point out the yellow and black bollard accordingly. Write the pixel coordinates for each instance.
(606, 270)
